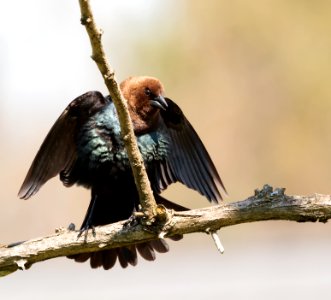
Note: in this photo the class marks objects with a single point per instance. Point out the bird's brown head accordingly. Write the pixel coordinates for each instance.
(145, 99)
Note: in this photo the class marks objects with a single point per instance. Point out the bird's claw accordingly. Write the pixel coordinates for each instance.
(84, 230)
(132, 221)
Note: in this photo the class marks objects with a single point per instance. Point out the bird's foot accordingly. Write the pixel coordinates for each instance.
(84, 230)
(133, 220)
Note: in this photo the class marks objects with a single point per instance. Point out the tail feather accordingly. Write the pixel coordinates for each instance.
(160, 246)
(146, 251)
(83, 257)
(96, 260)
(121, 258)
(128, 255)
(109, 258)
(125, 255)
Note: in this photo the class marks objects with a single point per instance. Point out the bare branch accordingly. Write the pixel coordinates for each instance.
(266, 204)
(146, 197)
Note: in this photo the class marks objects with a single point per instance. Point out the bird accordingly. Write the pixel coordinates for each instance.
(85, 147)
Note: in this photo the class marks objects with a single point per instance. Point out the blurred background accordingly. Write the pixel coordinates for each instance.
(253, 77)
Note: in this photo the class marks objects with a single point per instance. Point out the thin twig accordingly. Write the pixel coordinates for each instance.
(216, 240)
(146, 197)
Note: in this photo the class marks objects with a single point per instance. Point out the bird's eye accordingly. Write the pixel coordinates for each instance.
(148, 92)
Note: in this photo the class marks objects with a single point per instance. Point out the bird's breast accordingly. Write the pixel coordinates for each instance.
(101, 151)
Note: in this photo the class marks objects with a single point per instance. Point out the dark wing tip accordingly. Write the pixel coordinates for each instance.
(24, 193)
(28, 189)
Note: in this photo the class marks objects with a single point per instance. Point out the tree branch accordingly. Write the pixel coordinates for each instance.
(146, 197)
(266, 204)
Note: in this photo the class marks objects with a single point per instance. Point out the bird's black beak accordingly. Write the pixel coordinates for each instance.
(159, 102)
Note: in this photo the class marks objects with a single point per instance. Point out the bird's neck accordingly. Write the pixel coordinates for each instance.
(144, 121)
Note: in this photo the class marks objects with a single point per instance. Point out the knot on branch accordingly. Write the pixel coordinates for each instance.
(159, 223)
(163, 215)
(269, 193)
(109, 76)
(84, 20)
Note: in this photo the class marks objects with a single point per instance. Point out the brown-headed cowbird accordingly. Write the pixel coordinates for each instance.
(85, 147)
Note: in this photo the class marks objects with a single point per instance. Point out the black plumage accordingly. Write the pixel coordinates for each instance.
(84, 147)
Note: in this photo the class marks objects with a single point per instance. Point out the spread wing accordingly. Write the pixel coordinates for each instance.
(58, 151)
(188, 160)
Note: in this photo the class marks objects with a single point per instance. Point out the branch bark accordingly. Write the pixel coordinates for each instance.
(146, 197)
(266, 204)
